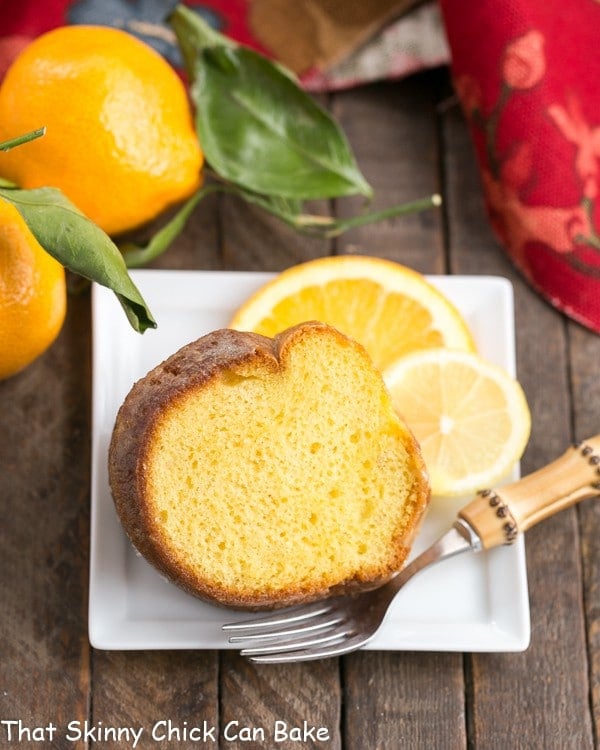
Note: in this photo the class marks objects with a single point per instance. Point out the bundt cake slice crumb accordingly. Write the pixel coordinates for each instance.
(259, 473)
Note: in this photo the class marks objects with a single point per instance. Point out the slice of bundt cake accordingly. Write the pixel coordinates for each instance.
(259, 472)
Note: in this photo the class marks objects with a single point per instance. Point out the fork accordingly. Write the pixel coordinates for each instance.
(342, 624)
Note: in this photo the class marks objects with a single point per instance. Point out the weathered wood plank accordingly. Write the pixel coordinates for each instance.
(417, 699)
(404, 700)
(163, 693)
(584, 348)
(519, 700)
(198, 247)
(391, 127)
(287, 706)
(254, 240)
(44, 470)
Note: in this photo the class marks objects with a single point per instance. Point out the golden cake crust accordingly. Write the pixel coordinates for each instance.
(200, 366)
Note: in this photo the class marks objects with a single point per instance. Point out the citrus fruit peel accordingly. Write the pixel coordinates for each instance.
(33, 297)
(120, 139)
(470, 417)
(389, 308)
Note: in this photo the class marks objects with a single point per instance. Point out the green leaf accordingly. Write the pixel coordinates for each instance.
(258, 129)
(194, 34)
(81, 246)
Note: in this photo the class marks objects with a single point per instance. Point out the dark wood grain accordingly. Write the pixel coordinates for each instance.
(44, 533)
(584, 355)
(290, 706)
(392, 130)
(199, 246)
(404, 700)
(254, 240)
(163, 693)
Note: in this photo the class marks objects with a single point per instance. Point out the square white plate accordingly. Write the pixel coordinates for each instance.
(474, 602)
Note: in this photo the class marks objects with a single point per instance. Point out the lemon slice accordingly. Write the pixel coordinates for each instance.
(470, 417)
(389, 308)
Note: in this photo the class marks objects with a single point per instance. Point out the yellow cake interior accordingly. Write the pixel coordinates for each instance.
(268, 479)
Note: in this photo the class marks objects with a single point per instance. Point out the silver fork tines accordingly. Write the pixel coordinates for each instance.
(308, 626)
(335, 626)
(297, 644)
(283, 617)
(344, 643)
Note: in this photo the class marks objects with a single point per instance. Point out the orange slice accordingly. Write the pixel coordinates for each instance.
(389, 308)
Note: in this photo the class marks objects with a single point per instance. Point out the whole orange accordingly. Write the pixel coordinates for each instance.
(120, 141)
(33, 296)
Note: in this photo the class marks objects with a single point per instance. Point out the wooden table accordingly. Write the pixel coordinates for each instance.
(410, 141)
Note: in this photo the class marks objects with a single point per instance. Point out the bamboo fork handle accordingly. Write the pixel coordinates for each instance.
(498, 516)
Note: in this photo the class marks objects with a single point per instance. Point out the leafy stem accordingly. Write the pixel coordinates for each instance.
(337, 227)
(324, 227)
(136, 256)
(21, 139)
(264, 139)
(328, 227)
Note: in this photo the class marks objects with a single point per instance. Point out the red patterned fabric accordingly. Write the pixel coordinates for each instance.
(528, 76)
